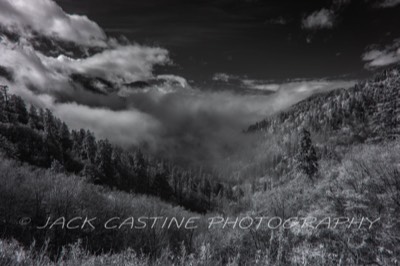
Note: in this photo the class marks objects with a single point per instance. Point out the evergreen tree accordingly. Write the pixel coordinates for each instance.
(89, 146)
(161, 187)
(49, 123)
(118, 167)
(33, 117)
(3, 104)
(140, 170)
(64, 137)
(307, 156)
(19, 108)
(104, 162)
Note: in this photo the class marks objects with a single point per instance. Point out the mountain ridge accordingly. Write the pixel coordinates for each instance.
(373, 104)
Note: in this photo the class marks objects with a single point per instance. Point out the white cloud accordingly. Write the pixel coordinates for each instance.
(47, 18)
(382, 57)
(260, 85)
(29, 67)
(224, 77)
(174, 79)
(389, 3)
(321, 19)
(120, 64)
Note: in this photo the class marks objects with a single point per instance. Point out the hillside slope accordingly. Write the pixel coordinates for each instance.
(35, 136)
(369, 110)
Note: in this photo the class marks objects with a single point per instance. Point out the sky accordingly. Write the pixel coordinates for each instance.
(183, 79)
(269, 40)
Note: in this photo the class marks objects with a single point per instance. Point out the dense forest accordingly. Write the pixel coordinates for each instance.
(334, 154)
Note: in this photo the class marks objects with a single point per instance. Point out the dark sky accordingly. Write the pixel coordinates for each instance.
(244, 38)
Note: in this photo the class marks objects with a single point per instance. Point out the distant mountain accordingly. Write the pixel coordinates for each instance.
(368, 111)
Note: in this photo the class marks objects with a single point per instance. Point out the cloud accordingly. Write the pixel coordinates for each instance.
(260, 85)
(224, 77)
(47, 18)
(322, 19)
(175, 79)
(120, 64)
(376, 57)
(45, 82)
(389, 3)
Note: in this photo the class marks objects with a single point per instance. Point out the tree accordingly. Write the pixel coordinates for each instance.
(89, 146)
(118, 168)
(57, 167)
(90, 172)
(4, 95)
(161, 187)
(33, 117)
(104, 162)
(3, 103)
(49, 123)
(19, 107)
(140, 170)
(64, 137)
(307, 156)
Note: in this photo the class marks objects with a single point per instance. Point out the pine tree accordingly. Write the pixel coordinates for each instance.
(33, 117)
(104, 162)
(49, 123)
(19, 108)
(161, 187)
(118, 167)
(89, 146)
(143, 183)
(307, 156)
(64, 137)
(3, 104)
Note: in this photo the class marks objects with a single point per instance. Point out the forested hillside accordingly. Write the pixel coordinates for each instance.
(33, 135)
(367, 111)
(332, 155)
